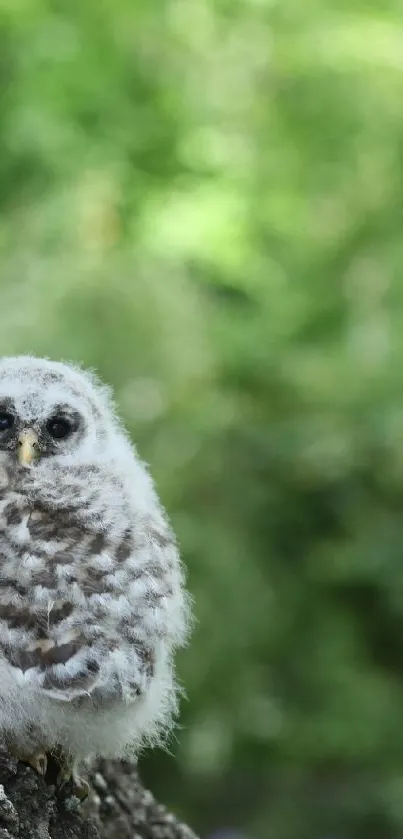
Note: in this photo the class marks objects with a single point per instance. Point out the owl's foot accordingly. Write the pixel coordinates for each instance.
(58, 767)
(68, 775)
(37, 760)
(81, 788)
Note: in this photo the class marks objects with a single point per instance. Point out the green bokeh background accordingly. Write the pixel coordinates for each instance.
(203, 199)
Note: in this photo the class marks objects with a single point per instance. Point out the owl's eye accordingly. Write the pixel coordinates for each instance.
(6, 421)
(59, 428)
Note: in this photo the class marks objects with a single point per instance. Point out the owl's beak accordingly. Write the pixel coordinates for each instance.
(27, 446)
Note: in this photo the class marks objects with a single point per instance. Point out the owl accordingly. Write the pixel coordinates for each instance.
(93, 603)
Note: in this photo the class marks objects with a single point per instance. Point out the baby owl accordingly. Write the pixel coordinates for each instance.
(92, 596)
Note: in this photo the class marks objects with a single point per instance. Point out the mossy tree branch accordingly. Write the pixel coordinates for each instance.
(119, 807)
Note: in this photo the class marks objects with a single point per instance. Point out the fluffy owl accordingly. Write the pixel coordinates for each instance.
(92, 596)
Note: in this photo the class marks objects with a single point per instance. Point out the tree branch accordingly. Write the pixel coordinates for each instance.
(118, 806)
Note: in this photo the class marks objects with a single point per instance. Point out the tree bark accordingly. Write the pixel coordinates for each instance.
(118, 806)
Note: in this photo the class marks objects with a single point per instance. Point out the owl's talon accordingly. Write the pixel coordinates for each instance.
(37, 761)
(80, 788)
(40, 763)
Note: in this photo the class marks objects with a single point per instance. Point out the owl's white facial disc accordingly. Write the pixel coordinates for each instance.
(67, 409)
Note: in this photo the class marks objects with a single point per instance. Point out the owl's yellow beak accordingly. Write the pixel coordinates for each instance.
(28, 446)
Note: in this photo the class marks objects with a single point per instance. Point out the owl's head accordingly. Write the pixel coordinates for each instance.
(52, 409)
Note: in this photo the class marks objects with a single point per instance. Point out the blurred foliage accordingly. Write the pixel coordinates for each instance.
(203, 199)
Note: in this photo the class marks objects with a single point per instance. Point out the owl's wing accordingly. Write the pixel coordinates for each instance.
(65, 669)
(104, 641)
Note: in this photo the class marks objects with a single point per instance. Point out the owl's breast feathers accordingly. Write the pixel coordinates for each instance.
(93, 602)
(75, 603)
